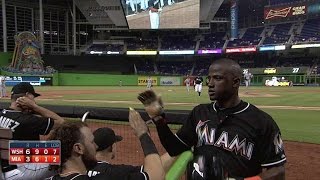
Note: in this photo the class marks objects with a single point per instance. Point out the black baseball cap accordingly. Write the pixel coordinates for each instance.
(105, 137)
(22, 88)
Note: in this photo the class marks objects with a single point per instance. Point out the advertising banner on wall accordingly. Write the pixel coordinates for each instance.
(291, 10)
(302, 46)
(170, 81)
(241, 50)
(210, 51)
(279, 70)
(272, 48)
(141, 52)
(33, 80)
(143, 80)
(180, 52)
(234, 19)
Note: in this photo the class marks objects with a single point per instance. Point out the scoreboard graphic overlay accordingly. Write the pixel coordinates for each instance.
(34, 152)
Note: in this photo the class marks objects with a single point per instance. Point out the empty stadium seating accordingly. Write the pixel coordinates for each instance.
(142, 44)
(310, 32)
(277, 2)
(178, 43)
(174, 68)
(280, 34)
(213, 41)
(201, 67)
(251, 37)
(297, 62)
(145, 67)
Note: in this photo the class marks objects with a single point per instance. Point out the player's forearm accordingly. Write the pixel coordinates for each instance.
(167, 161)
(153, 166)
(169, 141)
(275, 173)
(152, 161)
(48, 114)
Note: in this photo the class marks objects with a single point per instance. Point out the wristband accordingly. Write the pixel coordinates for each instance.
(159, 120)
(147, 145)
(253, 178)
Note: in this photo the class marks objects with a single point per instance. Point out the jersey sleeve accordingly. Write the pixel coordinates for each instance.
(41, 125)
(187, 134)
(150, 4)
(271, 147)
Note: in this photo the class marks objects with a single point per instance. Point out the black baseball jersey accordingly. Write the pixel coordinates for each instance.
(25, 126)
(75, 176)
(119, 172)
(245, 138)
(198, 80)
(154, 3)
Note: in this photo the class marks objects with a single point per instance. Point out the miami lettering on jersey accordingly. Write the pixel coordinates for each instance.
(206, 136)
(8, 123)
(93, 173)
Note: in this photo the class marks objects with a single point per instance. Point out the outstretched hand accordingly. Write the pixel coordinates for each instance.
(137, 123)
(153, 103)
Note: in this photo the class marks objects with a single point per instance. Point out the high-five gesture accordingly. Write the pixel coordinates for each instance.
(153, 103)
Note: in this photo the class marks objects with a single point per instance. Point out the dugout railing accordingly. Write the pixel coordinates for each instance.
(107, 117)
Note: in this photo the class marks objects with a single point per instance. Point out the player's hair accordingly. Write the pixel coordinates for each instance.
(69, 134)
(234, 67)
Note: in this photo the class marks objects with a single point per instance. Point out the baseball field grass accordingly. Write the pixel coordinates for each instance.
(295, 109)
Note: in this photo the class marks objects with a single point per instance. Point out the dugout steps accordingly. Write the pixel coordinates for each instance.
(106, 113)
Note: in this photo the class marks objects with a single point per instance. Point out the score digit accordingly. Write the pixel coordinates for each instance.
(28, 159)
(27, 152)
(45, 151)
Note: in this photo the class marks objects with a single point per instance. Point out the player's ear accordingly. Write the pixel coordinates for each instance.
(236, 82)
(78, 148)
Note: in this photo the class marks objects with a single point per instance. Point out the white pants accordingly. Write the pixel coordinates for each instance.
(247, 83)
(154, 20)
(161, 3)
(170, 2)
(132, 5)
(188, 87)
(3, 92)
(29, 172)
(149, 85)
(144, 4)
(198, 88)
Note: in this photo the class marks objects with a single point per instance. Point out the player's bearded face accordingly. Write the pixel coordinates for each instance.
(89, 159)
(89, 152)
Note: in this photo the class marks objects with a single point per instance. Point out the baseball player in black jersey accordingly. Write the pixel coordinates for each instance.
(198, 85)
(230, 137)
(105, 139)
(78, 153)
(154, 13)
(27, 121)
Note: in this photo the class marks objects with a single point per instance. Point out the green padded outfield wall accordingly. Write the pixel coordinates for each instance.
(74, 79)
(5, 58)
